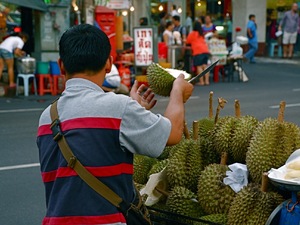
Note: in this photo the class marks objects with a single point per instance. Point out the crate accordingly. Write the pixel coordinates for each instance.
(162, 217)
(142, 79)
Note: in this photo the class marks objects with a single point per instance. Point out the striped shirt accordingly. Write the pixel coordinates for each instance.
(103, 130)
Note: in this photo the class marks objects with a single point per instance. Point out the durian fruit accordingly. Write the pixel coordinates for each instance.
(206, 126)
(271, 145)
(242, 134)
(213, 218)
(161, 79)
(213, 195)
(294, 165)
(292, 174)
(141, 166)
(158, 167)
(206, 133)
(223, 133)
(185, 164)
(183, 201)
(139, 186)
(253, 205)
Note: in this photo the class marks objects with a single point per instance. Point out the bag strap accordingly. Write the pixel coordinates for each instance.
(75, 164)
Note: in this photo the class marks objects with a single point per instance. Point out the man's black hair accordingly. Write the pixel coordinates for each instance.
(176, 18)
(251, 16)
(174, 6)
(84, 48)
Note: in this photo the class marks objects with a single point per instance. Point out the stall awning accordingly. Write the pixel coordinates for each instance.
(33, 4)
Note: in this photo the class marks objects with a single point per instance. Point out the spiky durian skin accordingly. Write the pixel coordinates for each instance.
(142, 165)
(213, 195)
(206, 125)
(185, 165)
(208, 152)
(242, 134)
(214, 218)
(182, 201)
(158, 167)
(176, 172)
(271, 145)
(222, 134)
(139, 186)
(251, 206)
(166, 152)
(160, 81)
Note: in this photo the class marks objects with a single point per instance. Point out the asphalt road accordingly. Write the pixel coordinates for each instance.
(22, 199)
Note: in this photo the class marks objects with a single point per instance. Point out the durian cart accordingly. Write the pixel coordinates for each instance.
(288, 212)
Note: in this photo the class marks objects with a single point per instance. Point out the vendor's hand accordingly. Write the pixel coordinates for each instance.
(145, 99)
(186, 89)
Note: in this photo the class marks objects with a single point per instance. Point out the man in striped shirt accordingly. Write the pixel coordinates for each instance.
(103, 130)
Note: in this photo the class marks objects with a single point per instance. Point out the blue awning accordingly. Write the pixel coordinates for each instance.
(33, 4)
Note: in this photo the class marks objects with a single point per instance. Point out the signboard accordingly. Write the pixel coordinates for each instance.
(114, 4)
(143, 45)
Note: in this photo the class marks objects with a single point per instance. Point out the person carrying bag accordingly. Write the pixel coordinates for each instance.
(133, 213)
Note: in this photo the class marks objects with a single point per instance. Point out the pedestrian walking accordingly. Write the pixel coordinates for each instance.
(103, 130)
(289, 25)
(252, 36)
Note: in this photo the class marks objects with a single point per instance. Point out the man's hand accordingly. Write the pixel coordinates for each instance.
(180, 84)
(145, 99)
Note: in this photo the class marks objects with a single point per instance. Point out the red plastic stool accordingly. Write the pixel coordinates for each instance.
(45, 84)
(57, 89)
(218, 69)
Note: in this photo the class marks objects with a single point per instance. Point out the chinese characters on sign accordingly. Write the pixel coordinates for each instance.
(143, 46)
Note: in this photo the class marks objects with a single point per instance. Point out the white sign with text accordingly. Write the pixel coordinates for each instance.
(143, 46)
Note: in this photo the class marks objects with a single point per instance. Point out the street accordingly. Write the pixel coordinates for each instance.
(22, 199)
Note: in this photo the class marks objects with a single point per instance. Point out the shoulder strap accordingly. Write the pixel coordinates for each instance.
(75, 164)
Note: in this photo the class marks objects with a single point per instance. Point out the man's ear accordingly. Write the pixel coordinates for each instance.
(61, 66)
(108, 64)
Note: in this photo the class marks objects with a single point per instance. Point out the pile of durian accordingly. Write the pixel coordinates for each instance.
(195, 168)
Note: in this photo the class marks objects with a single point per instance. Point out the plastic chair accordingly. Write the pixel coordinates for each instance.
(272, 47)
(56, 76)
(45, 84)
(217, 70)
(26, 78)
(56, 88)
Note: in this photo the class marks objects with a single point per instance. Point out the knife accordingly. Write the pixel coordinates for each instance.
(203, 72)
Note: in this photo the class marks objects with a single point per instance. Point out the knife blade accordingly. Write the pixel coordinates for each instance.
(203, 72)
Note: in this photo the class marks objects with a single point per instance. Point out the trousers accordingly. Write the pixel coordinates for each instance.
(253, 46)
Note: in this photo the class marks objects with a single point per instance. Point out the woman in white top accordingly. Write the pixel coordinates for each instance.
(10, 46)
(168, 37)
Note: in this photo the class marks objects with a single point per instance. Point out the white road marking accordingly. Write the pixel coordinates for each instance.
(296, 89)
(19, 166)
(287, 106)
(167, 99)
(21, 110)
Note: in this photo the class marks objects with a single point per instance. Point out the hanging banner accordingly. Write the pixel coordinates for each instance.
(143, 45)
